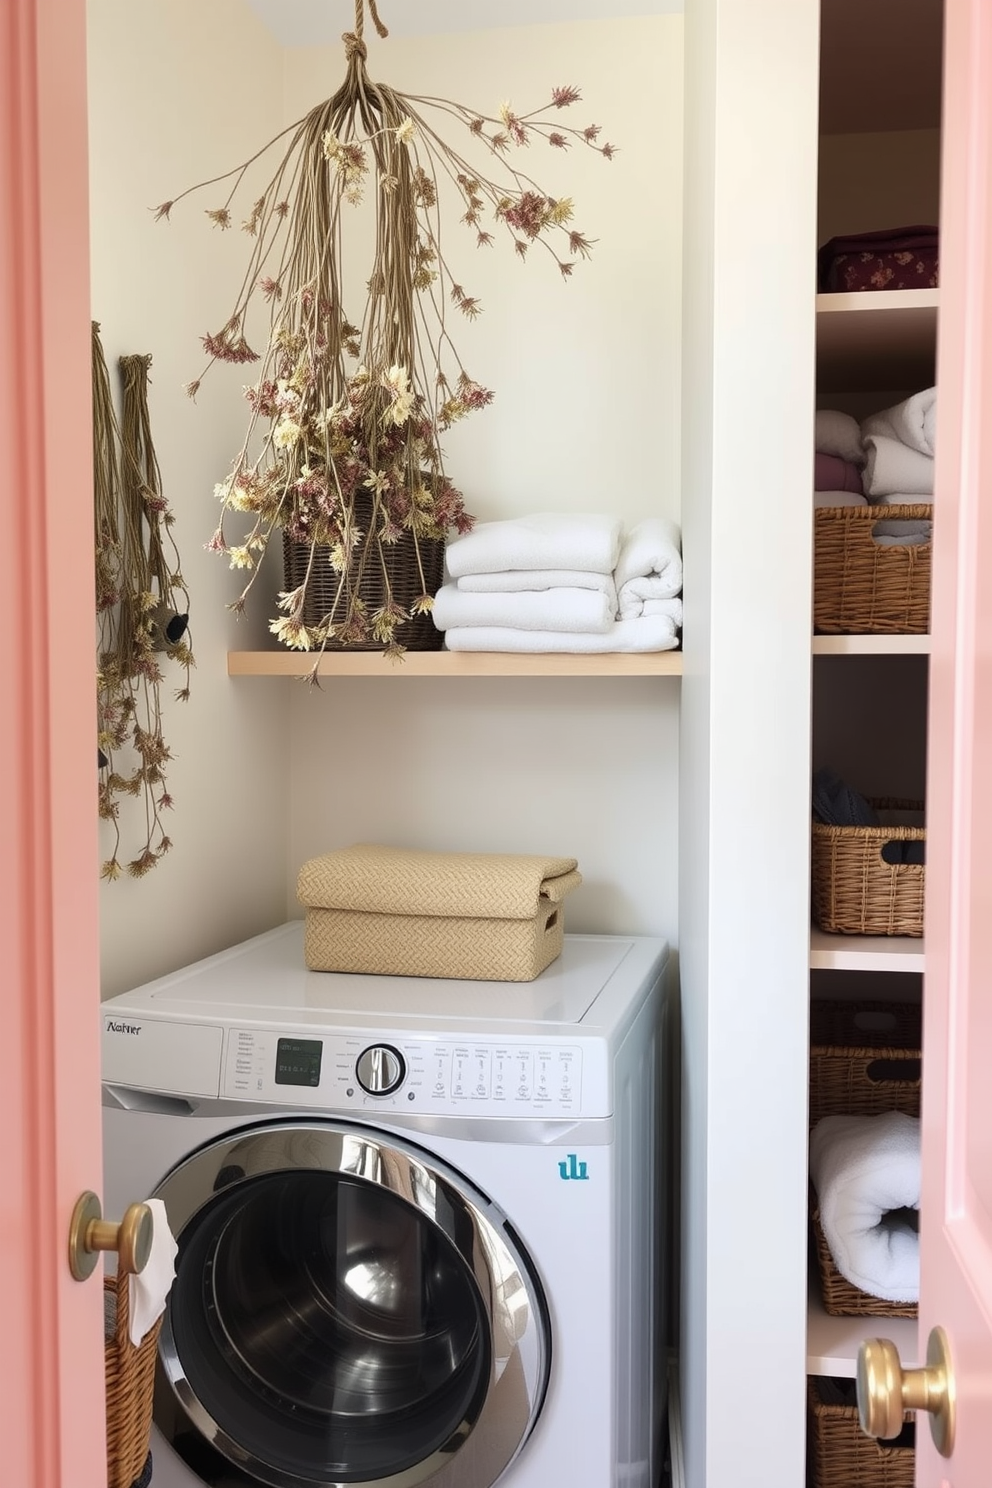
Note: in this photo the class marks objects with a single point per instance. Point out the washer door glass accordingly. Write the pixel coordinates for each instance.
(343, 1310)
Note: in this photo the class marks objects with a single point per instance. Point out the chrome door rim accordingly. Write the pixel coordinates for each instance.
(511, 1297)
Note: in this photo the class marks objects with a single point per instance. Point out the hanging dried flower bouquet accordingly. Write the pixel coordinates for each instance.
(342, 451)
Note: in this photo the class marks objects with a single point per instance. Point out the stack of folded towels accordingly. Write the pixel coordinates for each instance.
(886, 460)
(562, 582)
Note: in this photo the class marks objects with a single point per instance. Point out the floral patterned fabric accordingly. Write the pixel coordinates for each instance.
(900, 258)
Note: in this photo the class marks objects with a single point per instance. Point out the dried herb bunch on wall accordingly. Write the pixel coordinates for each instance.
(342, 449)
(142, 607)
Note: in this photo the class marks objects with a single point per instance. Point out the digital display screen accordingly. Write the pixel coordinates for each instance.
(298, 1061)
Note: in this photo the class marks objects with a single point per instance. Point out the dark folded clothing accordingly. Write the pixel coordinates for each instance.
(837, 805)
(893, 258)
(831, 473)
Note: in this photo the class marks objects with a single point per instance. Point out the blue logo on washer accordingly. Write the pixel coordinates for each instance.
(572, 1168)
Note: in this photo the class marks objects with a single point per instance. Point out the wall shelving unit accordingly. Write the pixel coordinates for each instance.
(455, 664)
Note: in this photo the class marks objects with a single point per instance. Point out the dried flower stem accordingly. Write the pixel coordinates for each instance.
(342, 448)
(142, 607)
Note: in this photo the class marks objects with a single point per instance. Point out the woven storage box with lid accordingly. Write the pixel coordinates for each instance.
(840, 1454)
(862, 587)
(402, 912)
(130, 1374)
(864, 1059)
(856, 891)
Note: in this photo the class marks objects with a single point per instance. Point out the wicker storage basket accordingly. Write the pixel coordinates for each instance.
(399, 560)
(861, 587)
(864, 1059)
(840, 1455)
(130, 1373)
(855, 891)
(402, 912)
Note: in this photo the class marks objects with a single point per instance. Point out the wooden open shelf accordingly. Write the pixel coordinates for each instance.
(883, 339)
(864, 952)
(454, 664)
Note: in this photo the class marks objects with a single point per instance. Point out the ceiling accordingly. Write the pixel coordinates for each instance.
(317, 22)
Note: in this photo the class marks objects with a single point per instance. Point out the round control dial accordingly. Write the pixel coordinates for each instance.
(380, 1069)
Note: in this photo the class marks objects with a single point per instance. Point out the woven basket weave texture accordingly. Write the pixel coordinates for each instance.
(856, 1070)
(393, 562)
(840, 1455)
(861, 587)
(130, 1374)
(855, 891)
(399, 912)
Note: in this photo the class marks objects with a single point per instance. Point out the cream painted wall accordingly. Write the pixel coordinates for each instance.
(586, 417)
(178, 91)
(868, 181)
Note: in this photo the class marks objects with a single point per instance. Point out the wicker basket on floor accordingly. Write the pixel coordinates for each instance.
(840, 1454)
(855, 891)
(399, 562)
(864, 1059)
(130, 1373)
(861, 587)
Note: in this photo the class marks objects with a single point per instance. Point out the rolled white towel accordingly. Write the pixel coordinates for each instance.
(836, 433)
(649, 633)
(651, 550)
(544, 609)
(864, 1169)
(637, 594)
(512, 580)
(589, 542)
(913, 422)
(838, 498)
(892, 467)
(670, 607)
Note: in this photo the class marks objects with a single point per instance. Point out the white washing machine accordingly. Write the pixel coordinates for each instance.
(421, 1223)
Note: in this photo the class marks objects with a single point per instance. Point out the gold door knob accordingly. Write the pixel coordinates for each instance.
(886, 1390)
(89, 1233)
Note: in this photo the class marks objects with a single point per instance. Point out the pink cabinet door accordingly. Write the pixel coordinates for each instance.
(956, 1286)
(51, 1402)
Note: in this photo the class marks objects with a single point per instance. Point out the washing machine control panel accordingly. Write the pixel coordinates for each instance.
(352, 1072)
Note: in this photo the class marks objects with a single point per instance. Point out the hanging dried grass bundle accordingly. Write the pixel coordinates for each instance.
(142, 608)
(342, 449)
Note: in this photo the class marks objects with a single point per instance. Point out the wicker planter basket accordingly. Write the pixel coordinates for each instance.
(399, 560)
(855, 891)
(840, 1455)
(130, 1376)
(864, 1059)
(861, 587)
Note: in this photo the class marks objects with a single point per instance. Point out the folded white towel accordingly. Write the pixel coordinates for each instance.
(913, 422)
(544, 609)
(892, 466)
(651, 550)
(838, 498)
(836, 433)
(650, 633)
(512, 580)
(546, 540)
(148, 1291)
(864, 1168)
(907, 532)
